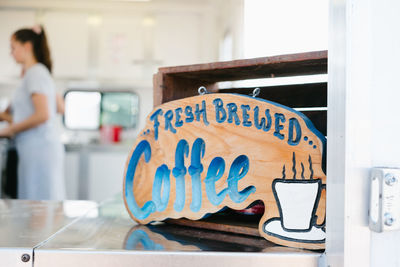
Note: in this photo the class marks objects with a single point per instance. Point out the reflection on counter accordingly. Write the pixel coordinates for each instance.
(180, 238)
(109, 227)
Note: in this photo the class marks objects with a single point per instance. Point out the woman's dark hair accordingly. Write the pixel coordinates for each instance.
(39, 44)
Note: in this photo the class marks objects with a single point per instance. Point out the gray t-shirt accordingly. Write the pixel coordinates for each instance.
(37, 79)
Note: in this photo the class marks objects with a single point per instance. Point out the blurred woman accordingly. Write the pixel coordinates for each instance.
(32, 116)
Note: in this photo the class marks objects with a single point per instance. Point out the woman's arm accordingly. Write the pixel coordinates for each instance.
(6, 115)
(60, 104)
(39, 116)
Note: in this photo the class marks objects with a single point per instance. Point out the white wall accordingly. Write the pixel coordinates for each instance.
(363, 126)
(284, 27)
(10, 20)
(231, 26)
(385, 58)
(68, 40)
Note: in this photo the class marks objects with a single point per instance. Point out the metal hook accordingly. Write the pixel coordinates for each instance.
(256, 92)
(202, 90)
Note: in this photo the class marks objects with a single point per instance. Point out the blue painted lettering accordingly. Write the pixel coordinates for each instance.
(162, 184)
(161, 188)
(246, 116)
(239, 168)
(294, 123)
(278, 126)
(168, 118)
(203, 111)
(189, 114)
(220, 113)
(179, 172)
(232, 109)
(261, 125)
(154, 117)
(149, 207)
(214, 173)
(195, 170)
(178, 120)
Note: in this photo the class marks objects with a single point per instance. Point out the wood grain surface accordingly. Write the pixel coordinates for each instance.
(276, 163)
(171, 83)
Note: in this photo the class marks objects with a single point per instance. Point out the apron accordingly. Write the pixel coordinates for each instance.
(40, 170)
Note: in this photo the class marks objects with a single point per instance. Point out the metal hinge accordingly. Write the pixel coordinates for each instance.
(384, 209)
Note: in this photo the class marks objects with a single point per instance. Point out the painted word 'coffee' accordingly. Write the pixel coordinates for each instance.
(161, 184)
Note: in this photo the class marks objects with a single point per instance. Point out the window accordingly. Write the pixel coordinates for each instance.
(88, 110)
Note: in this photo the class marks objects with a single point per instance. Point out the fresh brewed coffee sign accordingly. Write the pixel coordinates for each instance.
(200, 154)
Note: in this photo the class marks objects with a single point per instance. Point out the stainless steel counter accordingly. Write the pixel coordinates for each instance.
(26, 225)
(84, 233)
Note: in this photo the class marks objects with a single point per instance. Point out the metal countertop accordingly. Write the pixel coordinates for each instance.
(85, 233)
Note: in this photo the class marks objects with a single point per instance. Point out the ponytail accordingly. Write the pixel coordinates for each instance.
(37, 37)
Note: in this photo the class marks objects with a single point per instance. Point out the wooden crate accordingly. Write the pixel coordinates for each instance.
(171, 83)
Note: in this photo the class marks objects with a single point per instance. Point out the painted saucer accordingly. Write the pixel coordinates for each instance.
(274, 227)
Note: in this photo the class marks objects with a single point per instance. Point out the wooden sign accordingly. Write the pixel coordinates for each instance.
(198, 155)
